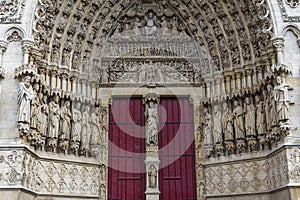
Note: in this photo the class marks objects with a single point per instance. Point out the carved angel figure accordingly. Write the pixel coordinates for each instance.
(25, 96)
(152, 123)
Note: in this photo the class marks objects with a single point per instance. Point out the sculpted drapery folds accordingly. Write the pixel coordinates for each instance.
(260, 116)
(25, 97)
(44, 115)
(35, 122)
(272, 108)
(77, 120)
(249, 118)
(54, 117)
(152, 123)
(66, 117)
(152, 176)
(238, 120)
(95, 120)
(206, 121)
(217, 128)
(282, 100)
(227, 123)
(86, 129)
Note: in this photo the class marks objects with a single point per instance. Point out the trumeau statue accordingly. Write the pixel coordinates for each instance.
(77, 120)
(217, 127)
(238, 120)
(152, 123)
(152, 177)
(227, 123)
(54, 117)
(25, 96)
(249, 118)
(66, 117)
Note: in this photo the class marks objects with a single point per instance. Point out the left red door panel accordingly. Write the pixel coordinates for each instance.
(126, 173)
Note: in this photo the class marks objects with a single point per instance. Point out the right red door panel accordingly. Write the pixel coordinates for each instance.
(177, 176)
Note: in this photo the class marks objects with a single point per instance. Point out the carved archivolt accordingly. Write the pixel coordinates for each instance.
(236, 25)
(11, 11)
(293, 3)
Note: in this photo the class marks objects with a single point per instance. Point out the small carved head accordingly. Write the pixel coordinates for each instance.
(257, 99)
(56, 98)
(78, 105)
(36, 87)
(236, 103)
(26, 81)
(225, 106)
(247, 100)
(67, 104)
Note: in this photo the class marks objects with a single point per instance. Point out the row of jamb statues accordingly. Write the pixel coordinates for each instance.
(261, 120)
(57, 127)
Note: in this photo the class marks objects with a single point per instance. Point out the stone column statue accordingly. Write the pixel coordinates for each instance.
(35, 122)
(86, 130)
(54, 117)
(260, 116)
(238, 120)
(66, 117)
(227, 123)
(217, 128)
(272, 107)
(282, 100)
(152, 123)
(206, 121)
(25, 96)
(152, 177)
(249, 118)
(95, 119)
(44, 116)
(77, 120)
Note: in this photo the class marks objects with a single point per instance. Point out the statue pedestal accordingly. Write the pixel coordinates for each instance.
(152, 194)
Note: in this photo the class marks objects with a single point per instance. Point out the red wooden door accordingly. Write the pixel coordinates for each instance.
(126, 177)
(177, 176)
